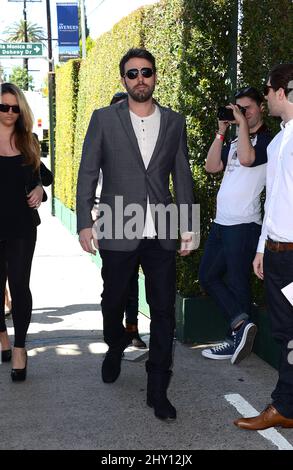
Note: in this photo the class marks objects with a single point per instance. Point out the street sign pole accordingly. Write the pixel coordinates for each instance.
(25, 58)
(52, 102)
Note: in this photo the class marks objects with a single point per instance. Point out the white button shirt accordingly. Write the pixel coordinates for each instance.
(278, 220)
(146, 130)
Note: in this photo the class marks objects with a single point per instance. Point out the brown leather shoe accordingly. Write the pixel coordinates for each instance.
(138, 342)
(269, 418)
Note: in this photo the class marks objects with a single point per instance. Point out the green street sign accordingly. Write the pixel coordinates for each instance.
(21, 49)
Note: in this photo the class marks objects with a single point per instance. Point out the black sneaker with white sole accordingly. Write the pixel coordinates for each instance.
(243, 341)
(220, 351)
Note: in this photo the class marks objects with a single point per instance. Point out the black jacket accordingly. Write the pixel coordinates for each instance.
(33, 178)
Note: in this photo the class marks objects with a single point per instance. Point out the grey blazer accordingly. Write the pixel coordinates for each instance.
(111, 145)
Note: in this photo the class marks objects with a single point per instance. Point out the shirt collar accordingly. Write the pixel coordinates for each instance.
(286, 124)
(146, 118)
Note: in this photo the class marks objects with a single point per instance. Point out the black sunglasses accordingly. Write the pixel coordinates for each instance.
(4, 108)
(146, 72)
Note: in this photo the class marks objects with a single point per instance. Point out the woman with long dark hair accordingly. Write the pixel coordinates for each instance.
(21, 193)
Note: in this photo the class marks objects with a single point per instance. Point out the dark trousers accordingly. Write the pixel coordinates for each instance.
(160, 281)
(278, 273)
(226, 266)
(15, 263)
(131, 309)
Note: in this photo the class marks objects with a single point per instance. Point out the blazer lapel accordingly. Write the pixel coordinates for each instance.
(125, 119)
(162, 132)
(124, 115)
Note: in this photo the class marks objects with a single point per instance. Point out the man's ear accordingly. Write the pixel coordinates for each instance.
(281, 94)
(262, 107)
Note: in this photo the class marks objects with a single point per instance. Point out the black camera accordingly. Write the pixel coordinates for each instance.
(226, 114)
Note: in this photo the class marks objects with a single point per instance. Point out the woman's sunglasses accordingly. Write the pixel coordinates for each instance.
(4, 108)
(146, 72)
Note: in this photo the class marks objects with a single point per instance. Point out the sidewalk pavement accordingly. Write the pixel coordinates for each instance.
(64, 404)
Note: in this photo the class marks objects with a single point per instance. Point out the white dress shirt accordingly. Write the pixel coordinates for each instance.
(278, 220)
(146, 130)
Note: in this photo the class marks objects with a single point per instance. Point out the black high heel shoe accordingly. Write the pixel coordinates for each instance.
(6, 355)
(19, 375)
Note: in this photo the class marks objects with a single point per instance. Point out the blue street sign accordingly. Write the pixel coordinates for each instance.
(68, 37)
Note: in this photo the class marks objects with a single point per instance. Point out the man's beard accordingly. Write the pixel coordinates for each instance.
(141, 96)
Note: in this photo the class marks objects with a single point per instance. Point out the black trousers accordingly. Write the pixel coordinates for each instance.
(131, 308)
(278, 273)
(15, 263)
(160, 281)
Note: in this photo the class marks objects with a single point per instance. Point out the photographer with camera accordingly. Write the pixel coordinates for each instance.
(226, 264)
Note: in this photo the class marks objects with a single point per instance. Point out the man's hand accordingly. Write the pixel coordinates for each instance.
(86, 239)
(258, 265)
(187, 244)
(238, 115)
(223, 126)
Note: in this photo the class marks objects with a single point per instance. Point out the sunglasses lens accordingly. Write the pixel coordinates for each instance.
(4, 108)
(132, 74)
(146, 72)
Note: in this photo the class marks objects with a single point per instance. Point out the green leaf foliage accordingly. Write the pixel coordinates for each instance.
(66, 103)
(192, 41)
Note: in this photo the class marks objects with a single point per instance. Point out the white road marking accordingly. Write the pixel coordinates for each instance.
(245, 409)
(132, 354)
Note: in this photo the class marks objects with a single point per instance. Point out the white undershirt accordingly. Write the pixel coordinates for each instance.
(146, 130)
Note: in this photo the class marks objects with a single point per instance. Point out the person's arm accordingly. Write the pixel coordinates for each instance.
(183, 186)
(258, 260)
(214, 162)
(88, 176)
(46, 175)
(34, 188)
(245, 151)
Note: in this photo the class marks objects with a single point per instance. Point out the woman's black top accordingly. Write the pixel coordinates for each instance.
(16, 180)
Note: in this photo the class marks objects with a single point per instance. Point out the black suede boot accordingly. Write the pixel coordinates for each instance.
(111, 366)
(158, 382)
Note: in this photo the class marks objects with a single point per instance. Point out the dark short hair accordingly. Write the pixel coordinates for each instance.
(119, 96)
(250, 92)
(136, 53)
(280, 76)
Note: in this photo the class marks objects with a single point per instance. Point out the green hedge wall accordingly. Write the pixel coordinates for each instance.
(192, 41)
(66, 103)
(266, 40)
(99, 76)
(268, 44)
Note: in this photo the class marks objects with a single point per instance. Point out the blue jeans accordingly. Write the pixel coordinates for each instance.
(226, 266)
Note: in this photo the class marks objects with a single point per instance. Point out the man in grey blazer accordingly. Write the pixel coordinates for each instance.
(138, 144)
